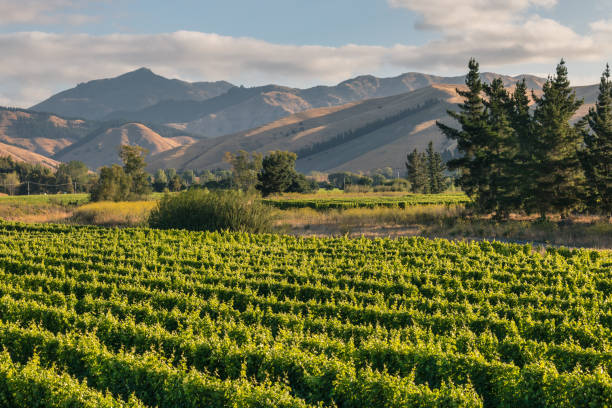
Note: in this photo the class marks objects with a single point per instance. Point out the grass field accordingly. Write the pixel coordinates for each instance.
(365, 200)
(61, 199)
(137, 317)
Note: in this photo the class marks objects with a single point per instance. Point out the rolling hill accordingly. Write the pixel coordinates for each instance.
(133, 90)
(23, 155)
(244, 108)
(40, 133)
(359, 124)
(101, 148)
(362, 135)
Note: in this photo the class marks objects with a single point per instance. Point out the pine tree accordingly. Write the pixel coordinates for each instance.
(500, 151)
(472, 138)
(435, 170)
(416, 172)
(522, 166)
(596, 157)
(557, 172)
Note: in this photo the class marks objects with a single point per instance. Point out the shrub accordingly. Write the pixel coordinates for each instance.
(202, 210)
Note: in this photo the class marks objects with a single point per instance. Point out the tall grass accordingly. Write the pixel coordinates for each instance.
(202, 210)
(127, 213)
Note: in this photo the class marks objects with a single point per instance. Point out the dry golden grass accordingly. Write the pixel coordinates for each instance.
(35, 212)
(452, 222)
(129, 214)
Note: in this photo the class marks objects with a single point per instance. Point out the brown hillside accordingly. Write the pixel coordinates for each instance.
(302, 130)
(40, 133)
(23, 155)
(102, 149)
(381, 147)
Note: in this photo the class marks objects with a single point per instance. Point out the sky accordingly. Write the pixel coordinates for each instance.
(50, 45)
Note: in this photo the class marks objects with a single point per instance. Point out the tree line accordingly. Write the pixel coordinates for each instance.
(514, 158)
(426, 171)
(17, 177)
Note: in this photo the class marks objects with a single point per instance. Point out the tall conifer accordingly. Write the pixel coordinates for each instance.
(471, 138)
(557, 172)
(416, 172)
(435, 170)
(501, 149)
(523, 164)
(597, 154)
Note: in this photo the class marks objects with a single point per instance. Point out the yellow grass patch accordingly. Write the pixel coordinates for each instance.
(132, 213)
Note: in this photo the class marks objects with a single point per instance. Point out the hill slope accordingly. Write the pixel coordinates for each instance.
(101, 148)
(356, 136)
(244, 108)
(133, 90)
(41, 133)
(23, 155)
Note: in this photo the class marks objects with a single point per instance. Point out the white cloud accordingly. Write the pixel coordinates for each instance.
(471, 15)
(36, 64)
(43, 12)
(61, 60)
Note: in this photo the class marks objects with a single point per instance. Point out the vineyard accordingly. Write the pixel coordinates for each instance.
(342, 203)
(147, 318)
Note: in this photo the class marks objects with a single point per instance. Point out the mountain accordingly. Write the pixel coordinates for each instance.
(23, 155)
(244, 108)
(353, 136)
(101, 148)
(133, 90)
(357, 136)
(40, 133)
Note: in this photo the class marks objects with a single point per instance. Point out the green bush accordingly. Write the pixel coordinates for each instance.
(201, 210)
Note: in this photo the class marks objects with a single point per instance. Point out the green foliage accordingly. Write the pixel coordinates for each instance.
(278, 175)
(416, 172)
(343, 203)
(202, 210)
(129, 182)
(596, 157)
(425, 171)
(112, 185)
(513, 161)
(71, 174)
(41, 178)
(160, 180)
(245, 168)
(557, 172)
(145, 317)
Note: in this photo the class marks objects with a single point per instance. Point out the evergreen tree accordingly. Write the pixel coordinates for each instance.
(278, 172)
(500, 151)
(188, 177)
(522, 167)
(160, 181)
(472, 138)
(556, 169)
(416, 172)
(596, 157)
(435, 170)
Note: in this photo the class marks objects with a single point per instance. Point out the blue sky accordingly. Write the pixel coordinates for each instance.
(49, 45)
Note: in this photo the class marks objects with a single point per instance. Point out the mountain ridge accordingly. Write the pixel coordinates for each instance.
(135, 89)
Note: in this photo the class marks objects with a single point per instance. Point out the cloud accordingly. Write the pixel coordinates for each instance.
(36, 64)
(468, 15)
(59, 60)
(43, 12)
(496, 32)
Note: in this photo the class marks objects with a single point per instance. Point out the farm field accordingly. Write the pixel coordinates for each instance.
(369, 200)
(142, 317)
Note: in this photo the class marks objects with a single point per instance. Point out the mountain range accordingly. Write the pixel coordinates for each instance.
(362, 123)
